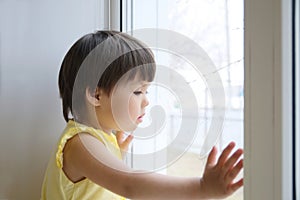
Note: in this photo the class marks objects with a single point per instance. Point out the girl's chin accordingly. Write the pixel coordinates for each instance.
(129, 125)
(129, 128)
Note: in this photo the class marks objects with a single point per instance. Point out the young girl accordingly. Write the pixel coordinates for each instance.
(103, 82)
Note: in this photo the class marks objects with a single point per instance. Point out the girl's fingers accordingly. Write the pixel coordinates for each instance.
(232, 160)
(232, 174)
(127, 141)
(225, 154)
(119, 136)
(211, 160)
(236, 185)
(123, 142)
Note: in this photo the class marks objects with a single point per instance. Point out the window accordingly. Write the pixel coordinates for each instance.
(217, 28)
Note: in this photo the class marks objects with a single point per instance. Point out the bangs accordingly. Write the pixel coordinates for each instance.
(144, 66)
(138, 64)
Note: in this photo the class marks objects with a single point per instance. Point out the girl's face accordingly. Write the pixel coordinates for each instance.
(125, 107)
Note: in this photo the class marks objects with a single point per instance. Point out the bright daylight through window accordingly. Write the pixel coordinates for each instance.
(218, 28)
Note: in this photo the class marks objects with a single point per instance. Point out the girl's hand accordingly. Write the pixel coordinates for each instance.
(123, 141)
(217, 180)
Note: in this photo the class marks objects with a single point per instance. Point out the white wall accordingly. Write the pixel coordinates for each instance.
(34, 37)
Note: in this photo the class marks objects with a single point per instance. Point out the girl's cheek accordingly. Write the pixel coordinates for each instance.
(133, 104)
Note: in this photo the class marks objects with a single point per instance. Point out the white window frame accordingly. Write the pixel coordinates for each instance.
(268, 100)
(297, 97)
(268, 96)
(112, 17)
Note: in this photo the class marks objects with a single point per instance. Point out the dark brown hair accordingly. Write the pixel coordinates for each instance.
(100, 59)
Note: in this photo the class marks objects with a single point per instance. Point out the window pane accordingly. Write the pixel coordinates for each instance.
(217, 27)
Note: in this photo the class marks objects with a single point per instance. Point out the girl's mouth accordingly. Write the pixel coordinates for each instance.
(140, 118)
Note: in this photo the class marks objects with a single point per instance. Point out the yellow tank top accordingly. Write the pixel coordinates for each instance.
(56, 185)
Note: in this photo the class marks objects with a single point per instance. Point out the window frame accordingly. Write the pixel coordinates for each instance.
(296, 97)
(268, 100)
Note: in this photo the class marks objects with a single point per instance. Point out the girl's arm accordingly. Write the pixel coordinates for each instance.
(85, 156)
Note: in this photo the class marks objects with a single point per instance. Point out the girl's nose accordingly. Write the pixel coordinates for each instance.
(145, 102)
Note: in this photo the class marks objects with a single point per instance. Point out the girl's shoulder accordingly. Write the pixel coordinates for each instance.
(77, 131)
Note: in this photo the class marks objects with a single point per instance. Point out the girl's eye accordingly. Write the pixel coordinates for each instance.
(139, 92)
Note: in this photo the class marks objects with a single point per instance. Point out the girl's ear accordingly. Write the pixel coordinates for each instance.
(93, 97)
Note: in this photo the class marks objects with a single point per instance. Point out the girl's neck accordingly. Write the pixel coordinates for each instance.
(94, 124)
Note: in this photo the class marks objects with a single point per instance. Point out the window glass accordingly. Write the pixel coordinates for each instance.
(218, 28)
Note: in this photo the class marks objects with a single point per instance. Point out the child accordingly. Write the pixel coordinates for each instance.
(103, 83)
